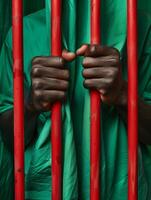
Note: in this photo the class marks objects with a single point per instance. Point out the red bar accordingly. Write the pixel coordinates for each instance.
(132, 101)
(17, 20)
(95, 111)
(56, 50)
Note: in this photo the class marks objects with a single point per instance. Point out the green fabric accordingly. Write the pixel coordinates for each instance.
(5, 14)
(76, 112)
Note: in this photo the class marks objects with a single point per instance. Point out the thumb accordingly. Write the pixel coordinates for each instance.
(82, 50)
(68, 56)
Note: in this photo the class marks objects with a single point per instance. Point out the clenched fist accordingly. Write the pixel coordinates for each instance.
(50, 81)
(102, 72)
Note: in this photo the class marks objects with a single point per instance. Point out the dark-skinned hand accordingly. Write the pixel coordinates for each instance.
(50, 81)
(102, 72)
(50, 78)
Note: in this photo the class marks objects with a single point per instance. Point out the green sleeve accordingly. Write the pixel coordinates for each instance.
(6, 102)
(147, 80)
(6, 78)
(144, 77)
(144, 82)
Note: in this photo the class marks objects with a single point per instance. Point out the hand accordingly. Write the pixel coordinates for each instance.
(102, 72)
(50, 81)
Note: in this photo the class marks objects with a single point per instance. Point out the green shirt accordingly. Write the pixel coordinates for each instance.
(76, 110)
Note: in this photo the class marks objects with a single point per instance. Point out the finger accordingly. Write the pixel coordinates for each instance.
(100, 72)
(103, 92)
(68, 56)
(39, 71)
(50, 84)
(100, 61)
(49, 95)
(52, 61)
(81, 51)
(99, 84)
(98, 50)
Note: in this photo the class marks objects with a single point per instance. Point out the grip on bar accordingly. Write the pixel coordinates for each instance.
(56, 108)
(132, 101)
(95, 129)
(17, 29)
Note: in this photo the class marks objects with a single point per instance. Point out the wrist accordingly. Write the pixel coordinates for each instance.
(122, 97)
(29, 106)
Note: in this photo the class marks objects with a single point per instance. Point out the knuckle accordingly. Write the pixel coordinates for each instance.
(62, 95)
(66, 74)
(115, 60)
(36, 60)
(63, 85)
(84, 72)
(35, 71)
(110, 73)
(61, 61)
(38, 94)
(85, 61)
(109, 81)
(85, 83)
(115, 72)
(66, 84)
(37, 84)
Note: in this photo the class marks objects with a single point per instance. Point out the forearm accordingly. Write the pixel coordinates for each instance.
(7, 125)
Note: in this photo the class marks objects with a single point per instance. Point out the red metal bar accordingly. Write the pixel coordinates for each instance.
(95, 111)
(17, 20)
(56, 50)
(132, 101)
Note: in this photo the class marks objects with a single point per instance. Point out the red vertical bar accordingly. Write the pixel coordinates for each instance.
(95, 111)
(17, 20)
(56, 109)
(132, 101)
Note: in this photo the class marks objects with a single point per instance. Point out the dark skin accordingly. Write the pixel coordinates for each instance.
(50, 80)
(101, 71)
